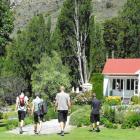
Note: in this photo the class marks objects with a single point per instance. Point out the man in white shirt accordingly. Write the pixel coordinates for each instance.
(38, 113)
(62, 105)
(21, 107)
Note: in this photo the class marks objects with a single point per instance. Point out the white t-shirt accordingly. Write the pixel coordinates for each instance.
(22, 108)
(36, 103)
(62, 100)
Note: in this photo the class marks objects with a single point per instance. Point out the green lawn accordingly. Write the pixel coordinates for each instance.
(81, 134)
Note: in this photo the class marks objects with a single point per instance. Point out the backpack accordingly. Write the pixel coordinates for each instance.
(42, 108)
(21, 101)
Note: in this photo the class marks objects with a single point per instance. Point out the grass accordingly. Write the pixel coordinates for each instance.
(80, 134)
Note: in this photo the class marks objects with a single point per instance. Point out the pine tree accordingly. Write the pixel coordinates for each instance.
(6, 24)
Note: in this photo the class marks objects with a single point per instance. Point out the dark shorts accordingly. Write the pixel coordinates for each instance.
(62, 115)
(94, 118)
(38, 117)
(21, 115)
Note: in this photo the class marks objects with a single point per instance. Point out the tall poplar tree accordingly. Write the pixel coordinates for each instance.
(74, 29)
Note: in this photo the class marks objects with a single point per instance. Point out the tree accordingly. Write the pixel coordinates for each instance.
(6, 24)
(49, 75)
(110, 35)
(129, 36)
(28, 48)
(97, 49)
(73, 25)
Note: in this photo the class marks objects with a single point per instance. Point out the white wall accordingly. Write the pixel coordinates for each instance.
(139, 85)
(105, 85)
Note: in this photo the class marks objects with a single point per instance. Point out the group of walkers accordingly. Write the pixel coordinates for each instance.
(62, 106)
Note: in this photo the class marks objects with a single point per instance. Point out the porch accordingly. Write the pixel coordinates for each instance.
(123, 86)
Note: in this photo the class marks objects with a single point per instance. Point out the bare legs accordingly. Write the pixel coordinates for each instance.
(62, 126)
(21, 123)
(39, 126)
(96, 126)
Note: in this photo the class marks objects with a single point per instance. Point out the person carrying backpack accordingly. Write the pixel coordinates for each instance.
(38, 112)
(21, 107)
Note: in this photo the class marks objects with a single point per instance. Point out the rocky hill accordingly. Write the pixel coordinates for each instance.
(24, 10)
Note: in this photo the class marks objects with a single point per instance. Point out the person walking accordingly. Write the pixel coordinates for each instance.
(21, 107)
(95, 113)
(62, 105)
(37, 112)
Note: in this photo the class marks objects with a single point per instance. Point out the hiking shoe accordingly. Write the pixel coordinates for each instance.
(20, 131)
(62, 133)
(35, 132)
(98, 130)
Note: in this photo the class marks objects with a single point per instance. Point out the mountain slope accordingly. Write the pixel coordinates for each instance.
(24, 10)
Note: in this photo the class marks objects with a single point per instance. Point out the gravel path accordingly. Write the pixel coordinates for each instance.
(48, 127)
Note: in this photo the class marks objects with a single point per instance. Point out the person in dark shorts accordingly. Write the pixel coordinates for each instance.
(62, 105)
(95, 113)
(37, 112)
(21, 107)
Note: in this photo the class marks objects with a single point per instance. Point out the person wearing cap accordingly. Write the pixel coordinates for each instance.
(21, 108)
(62, 105)
(95, 113)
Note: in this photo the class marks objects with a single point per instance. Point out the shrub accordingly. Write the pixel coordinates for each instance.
(28, 120)
(84, 98)
(10, 124)
(51, 114)
(109, 4)
(1, 115)
(97, 81)
(81, 117)
(113, 100)
(135, 99)
(132, 119)
(75, 108)
(107, 123)
(119, 116)
(108, 113)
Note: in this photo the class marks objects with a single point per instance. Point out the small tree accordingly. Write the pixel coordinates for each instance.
(49, 75)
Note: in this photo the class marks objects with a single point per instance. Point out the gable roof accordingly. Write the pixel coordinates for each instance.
(122, 67)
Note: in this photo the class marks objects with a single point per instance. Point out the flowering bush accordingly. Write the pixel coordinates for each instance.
(113, 100)
(84, 98)
(135, 99)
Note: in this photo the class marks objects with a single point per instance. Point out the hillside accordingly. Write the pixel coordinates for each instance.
(24, 10)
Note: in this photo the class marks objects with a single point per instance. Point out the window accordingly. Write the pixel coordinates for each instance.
(121, 83)
(136, 86)
(114, 84)
(130, 84)
(117, 84)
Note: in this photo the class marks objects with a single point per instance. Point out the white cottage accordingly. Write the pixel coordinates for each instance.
(122, 78)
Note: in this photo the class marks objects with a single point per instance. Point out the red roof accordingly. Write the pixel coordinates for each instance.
(122, 66)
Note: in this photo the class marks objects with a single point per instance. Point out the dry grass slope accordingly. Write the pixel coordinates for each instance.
(26, 9)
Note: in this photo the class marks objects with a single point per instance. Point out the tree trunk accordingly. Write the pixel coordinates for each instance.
(84, 58)
(29, 86)
(77, 33)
